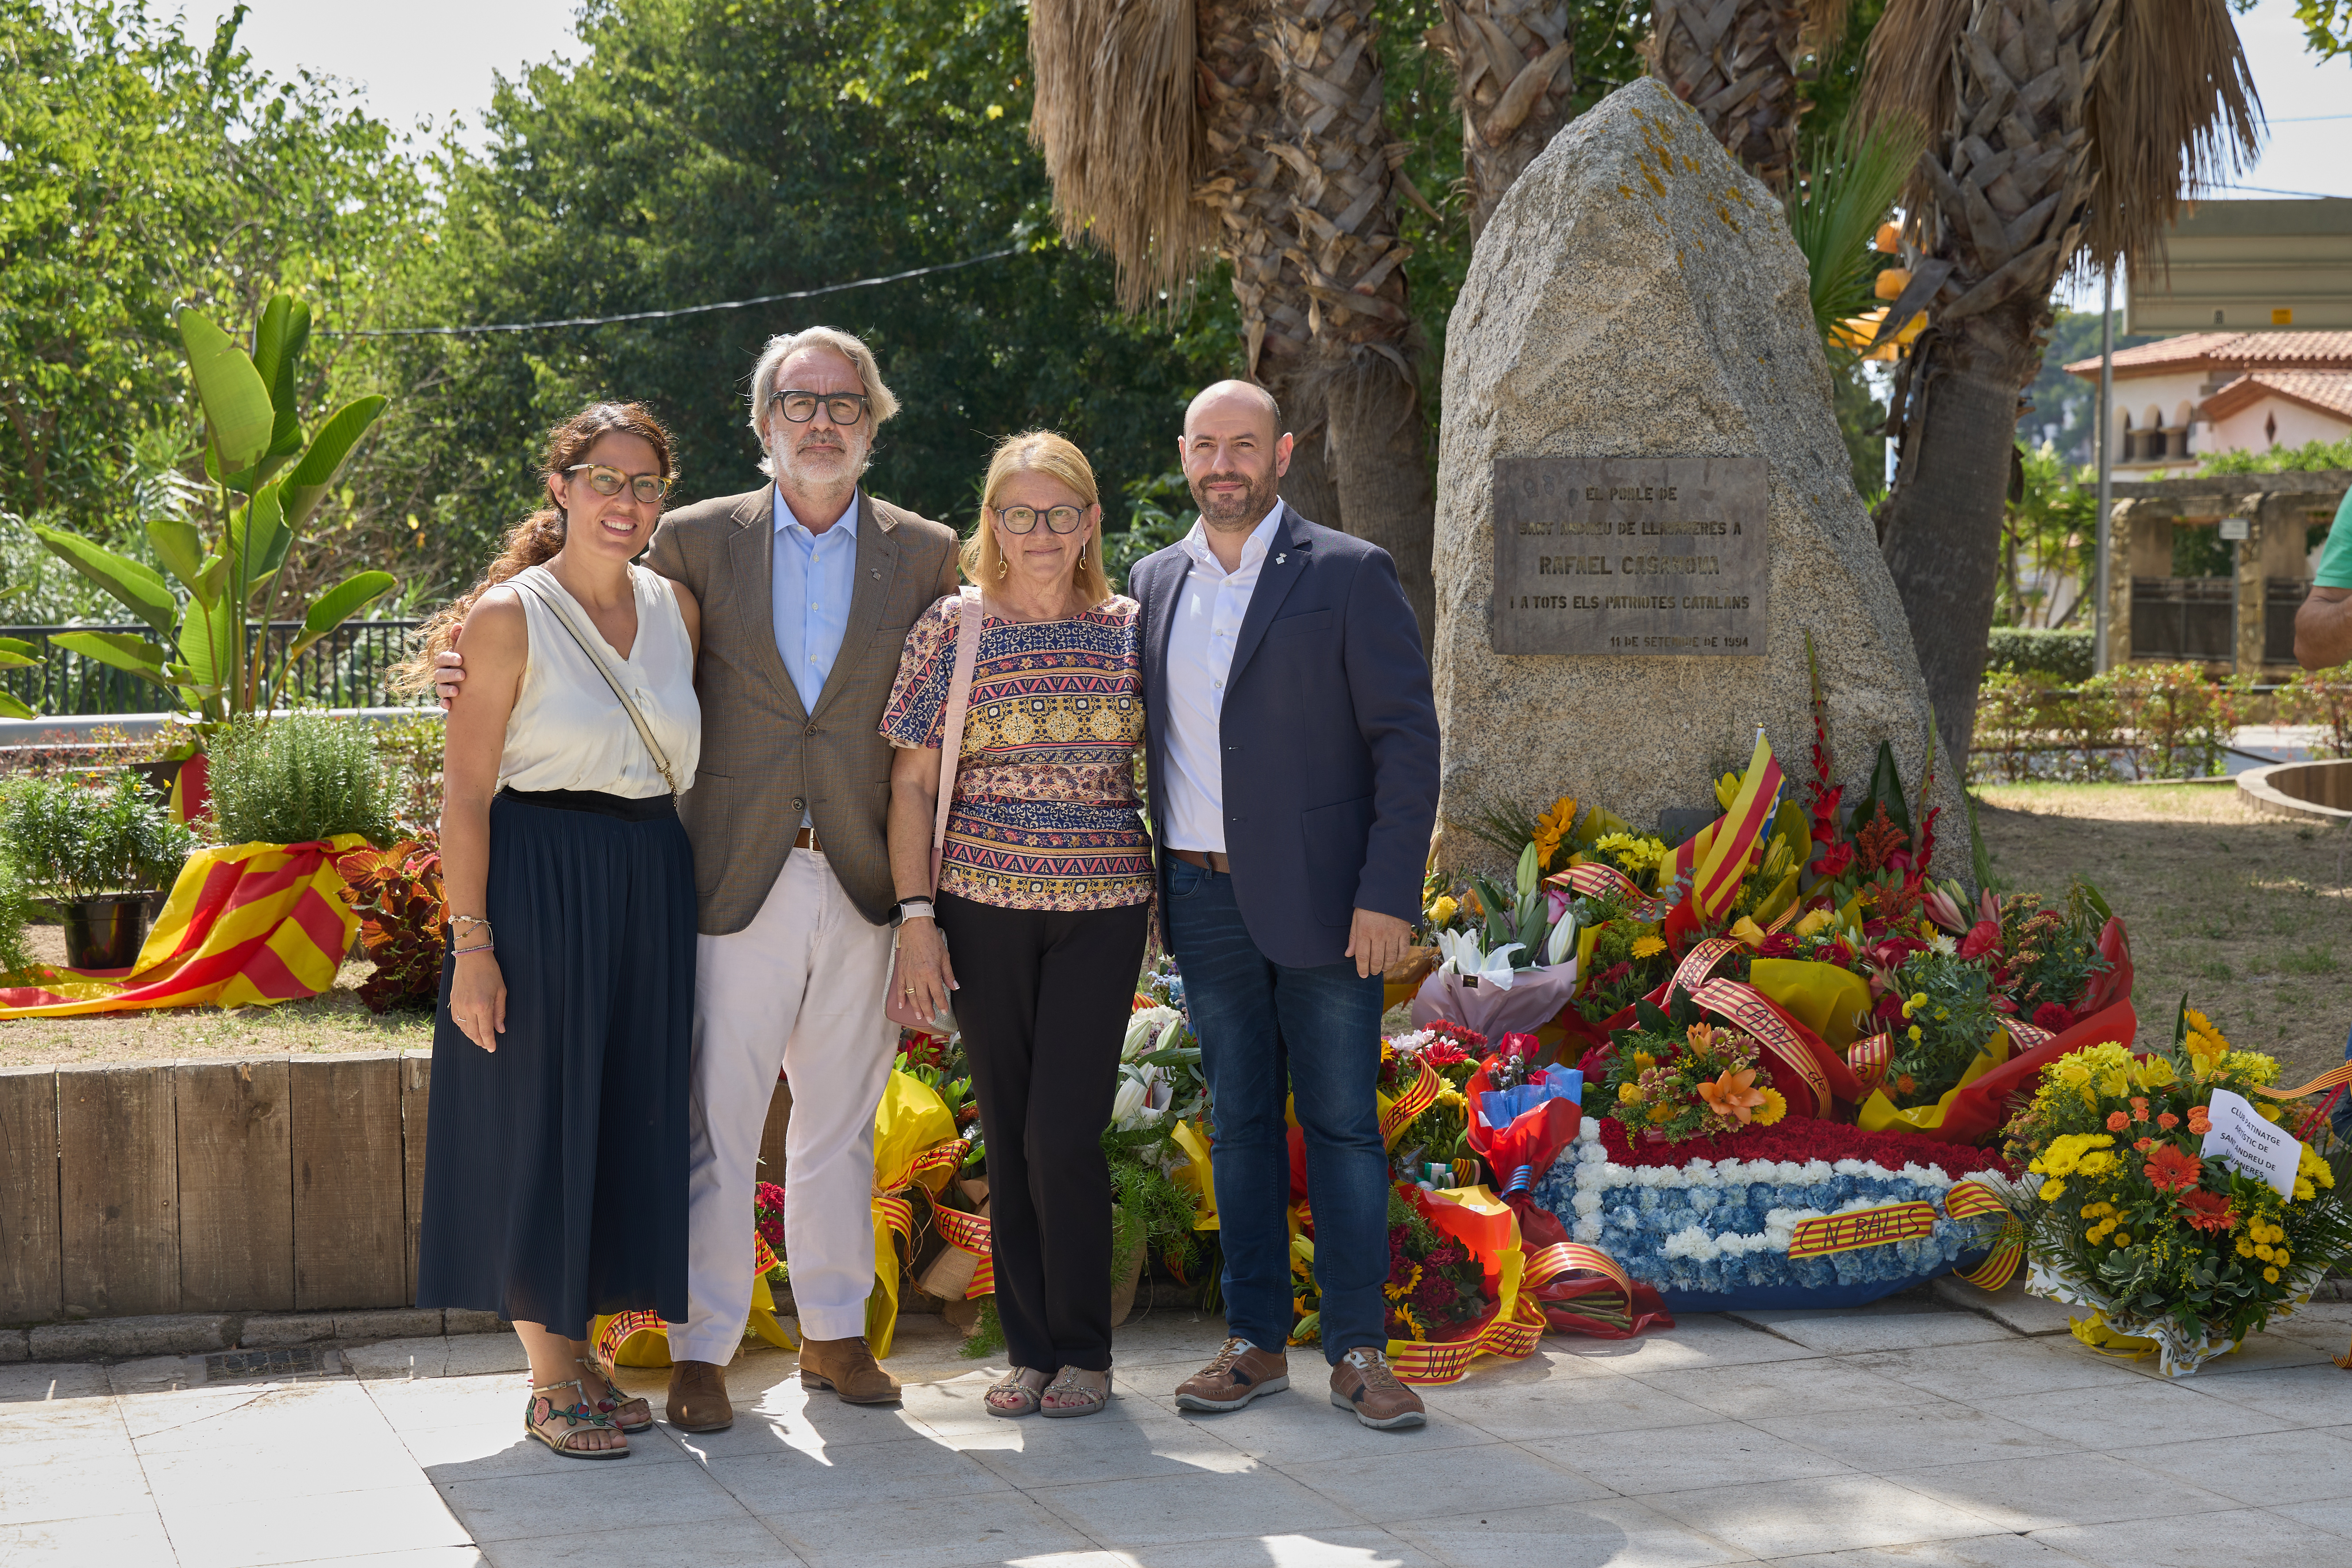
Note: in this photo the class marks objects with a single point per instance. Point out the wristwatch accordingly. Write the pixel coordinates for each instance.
(909, 909)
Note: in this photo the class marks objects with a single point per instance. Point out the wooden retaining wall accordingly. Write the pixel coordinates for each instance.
(253, 1184)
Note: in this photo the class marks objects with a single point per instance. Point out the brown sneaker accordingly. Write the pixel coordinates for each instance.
(849, 1369)
(698, 1398)
(1362, 1383)
(1239, 1374)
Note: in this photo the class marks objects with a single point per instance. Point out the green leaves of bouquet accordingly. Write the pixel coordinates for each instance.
(268, 481)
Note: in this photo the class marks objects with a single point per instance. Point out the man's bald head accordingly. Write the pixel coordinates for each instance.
(1227, 400)
(1234, 454)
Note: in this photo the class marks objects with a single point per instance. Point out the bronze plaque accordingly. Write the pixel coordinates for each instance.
(1631, 555)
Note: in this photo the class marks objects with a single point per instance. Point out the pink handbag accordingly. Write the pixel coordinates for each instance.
(896, 1006)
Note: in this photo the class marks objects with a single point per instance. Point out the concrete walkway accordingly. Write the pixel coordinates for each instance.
(1915, 1433)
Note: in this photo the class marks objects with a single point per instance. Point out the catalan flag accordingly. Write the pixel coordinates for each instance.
(246, 924)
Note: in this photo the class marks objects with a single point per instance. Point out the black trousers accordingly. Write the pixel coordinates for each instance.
(1042, 1004)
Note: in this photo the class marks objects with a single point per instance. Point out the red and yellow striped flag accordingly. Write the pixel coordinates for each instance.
(246, 924)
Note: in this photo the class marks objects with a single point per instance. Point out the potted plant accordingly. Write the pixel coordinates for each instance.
(92, 851)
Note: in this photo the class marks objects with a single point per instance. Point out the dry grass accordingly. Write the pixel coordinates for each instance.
(2249, 916)
(337, 1021)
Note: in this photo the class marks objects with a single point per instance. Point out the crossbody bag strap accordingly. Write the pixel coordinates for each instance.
(958, 703)
(644, 732)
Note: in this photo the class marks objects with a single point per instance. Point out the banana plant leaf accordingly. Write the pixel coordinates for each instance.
(10, 708)
(302, 491)
(262, 521)
(238, 414)
(340, 603)
(278, 342)
(140, 587)
(15, 653)
(181, 547)
(121, 649)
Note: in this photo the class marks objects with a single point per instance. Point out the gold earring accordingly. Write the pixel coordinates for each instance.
(1003, 567)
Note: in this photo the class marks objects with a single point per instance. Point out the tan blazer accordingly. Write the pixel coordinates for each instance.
(764, 757)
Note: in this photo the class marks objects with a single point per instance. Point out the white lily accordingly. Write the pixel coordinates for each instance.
(1142, 1098)
(1144, 1029)
(1463, 957)
(1563, 943)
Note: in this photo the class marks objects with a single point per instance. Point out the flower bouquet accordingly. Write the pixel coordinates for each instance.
(2173, 1194)
(1506, 964)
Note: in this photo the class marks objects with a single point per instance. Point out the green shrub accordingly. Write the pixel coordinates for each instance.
(2312, 456)
(297, 778)
(2066, 656)
(16, 913)
(79, 838)
(2321, 696)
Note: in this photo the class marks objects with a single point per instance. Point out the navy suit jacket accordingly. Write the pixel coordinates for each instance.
(1329, 734)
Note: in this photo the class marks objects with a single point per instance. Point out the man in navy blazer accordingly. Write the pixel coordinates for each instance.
(1291, 757)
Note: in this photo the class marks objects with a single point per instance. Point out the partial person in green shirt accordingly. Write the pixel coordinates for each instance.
(2322, 627)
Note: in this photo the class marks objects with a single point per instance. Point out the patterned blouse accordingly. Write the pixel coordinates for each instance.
(1045, 814)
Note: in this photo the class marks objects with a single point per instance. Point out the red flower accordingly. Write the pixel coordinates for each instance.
(1983, 937)
(1803, 1138)
(1444, 1054)
(1834, 859)
(2173, 1169)
(2050, 1015)
(2117, 1122)
(2208, 1211)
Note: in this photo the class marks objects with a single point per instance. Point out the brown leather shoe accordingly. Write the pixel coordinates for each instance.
(849, 1369)
(1362, 1383)
(697, 1397)
(1239, 1374)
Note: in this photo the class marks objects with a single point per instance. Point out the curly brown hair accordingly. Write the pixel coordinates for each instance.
(538, 537)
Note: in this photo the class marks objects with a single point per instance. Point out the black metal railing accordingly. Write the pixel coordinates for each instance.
(348, 668)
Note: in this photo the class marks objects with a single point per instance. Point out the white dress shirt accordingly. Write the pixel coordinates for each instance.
(1201, 643)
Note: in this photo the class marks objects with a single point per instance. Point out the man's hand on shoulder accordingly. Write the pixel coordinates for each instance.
(1376, 942)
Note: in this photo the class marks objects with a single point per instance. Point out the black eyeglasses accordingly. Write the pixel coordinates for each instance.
(800, 407)
(1024, 519)
(607, 481)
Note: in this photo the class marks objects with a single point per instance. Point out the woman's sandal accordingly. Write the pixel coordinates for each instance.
(1020, 1395)
(1077, 1398)
(630, 1413)
(542, 1413)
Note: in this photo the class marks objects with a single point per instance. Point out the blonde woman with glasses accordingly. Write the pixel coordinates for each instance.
(1037, 927)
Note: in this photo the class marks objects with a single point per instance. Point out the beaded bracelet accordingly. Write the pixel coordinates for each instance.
(461, 952)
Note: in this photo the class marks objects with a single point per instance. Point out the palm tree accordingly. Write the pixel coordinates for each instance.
(2061, 133)
(1735, 61)
(1173, 126)
(1514, 69)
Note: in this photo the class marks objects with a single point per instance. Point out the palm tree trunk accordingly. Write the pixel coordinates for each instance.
(1333, 142)
(1735, 61)
(2011, 188)
(1514, 66)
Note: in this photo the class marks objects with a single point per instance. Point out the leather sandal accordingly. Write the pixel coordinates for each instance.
(541, 1415)
(629, 1413)
(1019, 1396)
(1078, 1398)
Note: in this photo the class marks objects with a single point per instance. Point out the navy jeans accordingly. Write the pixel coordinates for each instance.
(1316, 1033)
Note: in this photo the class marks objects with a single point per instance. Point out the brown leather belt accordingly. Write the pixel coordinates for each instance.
(807, 839)
(1207, 859)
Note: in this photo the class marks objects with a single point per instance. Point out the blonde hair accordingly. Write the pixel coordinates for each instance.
(1058, 457)
(880, 404)
(539, 538)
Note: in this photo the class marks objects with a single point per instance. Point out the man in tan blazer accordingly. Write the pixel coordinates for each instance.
(808, 587)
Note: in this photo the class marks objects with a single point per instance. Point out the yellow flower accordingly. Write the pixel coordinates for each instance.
(2263, 1252)
(1747, 932)
(1813, 922)
(2270, 1112)
(1443, 911)
(1629, 1094)
(2281, 1258)
(1661, 1114)
(1914, 1032)
(1774, 1108)
(1645, 1060)
(2123, 1238)
(2272, 1275)
(2303, 1191)
(2245, 1248)
(2155, 1072)
(2310, 1167)
(2051, 1190)
(1918, 1000)
(1648, 946)
(1552, 827)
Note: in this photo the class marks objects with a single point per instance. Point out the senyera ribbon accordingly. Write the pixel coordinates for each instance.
(1599, 879)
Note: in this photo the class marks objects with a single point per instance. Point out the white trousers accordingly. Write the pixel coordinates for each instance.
(799, 987)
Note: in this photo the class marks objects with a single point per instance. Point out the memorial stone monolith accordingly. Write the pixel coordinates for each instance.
(1643, 501)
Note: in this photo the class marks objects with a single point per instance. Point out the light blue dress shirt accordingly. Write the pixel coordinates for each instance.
(814, 576)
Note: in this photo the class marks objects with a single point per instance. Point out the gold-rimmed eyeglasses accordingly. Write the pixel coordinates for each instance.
(1024, 519)
(800, 407)
(607, 481)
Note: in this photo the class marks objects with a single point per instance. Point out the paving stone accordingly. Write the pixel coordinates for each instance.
(2009, 1305)
(16, 1344)
(97, 1339)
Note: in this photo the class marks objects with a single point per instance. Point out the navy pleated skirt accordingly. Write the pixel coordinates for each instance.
(555, 1166)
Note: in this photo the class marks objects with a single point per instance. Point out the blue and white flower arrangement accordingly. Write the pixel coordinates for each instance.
(1711, 1235)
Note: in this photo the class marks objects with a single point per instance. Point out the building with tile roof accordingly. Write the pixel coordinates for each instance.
(2186, 397)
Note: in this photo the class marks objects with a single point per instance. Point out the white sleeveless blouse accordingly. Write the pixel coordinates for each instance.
(569, 732)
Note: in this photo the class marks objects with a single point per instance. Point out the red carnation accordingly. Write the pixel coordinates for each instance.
(2050, 1015)
(2173, 1169)
(1435, 1292)
(1983, 937)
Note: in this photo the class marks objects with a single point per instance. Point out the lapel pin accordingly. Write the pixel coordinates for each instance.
(1280, 559)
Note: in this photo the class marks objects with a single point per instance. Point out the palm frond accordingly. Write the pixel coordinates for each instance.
(1118, 119)
(1834, 216)
(2172, 109)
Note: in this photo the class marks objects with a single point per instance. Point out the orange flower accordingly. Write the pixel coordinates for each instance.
(1734, 1094)
(2166, 1120)
(2198, 1122)
(2208, 1211)
(2117, 1122)
(2173, 1168)
(1903, 1084)
(2139, 1108)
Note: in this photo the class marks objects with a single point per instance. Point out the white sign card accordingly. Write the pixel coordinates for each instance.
(2243, 1139)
